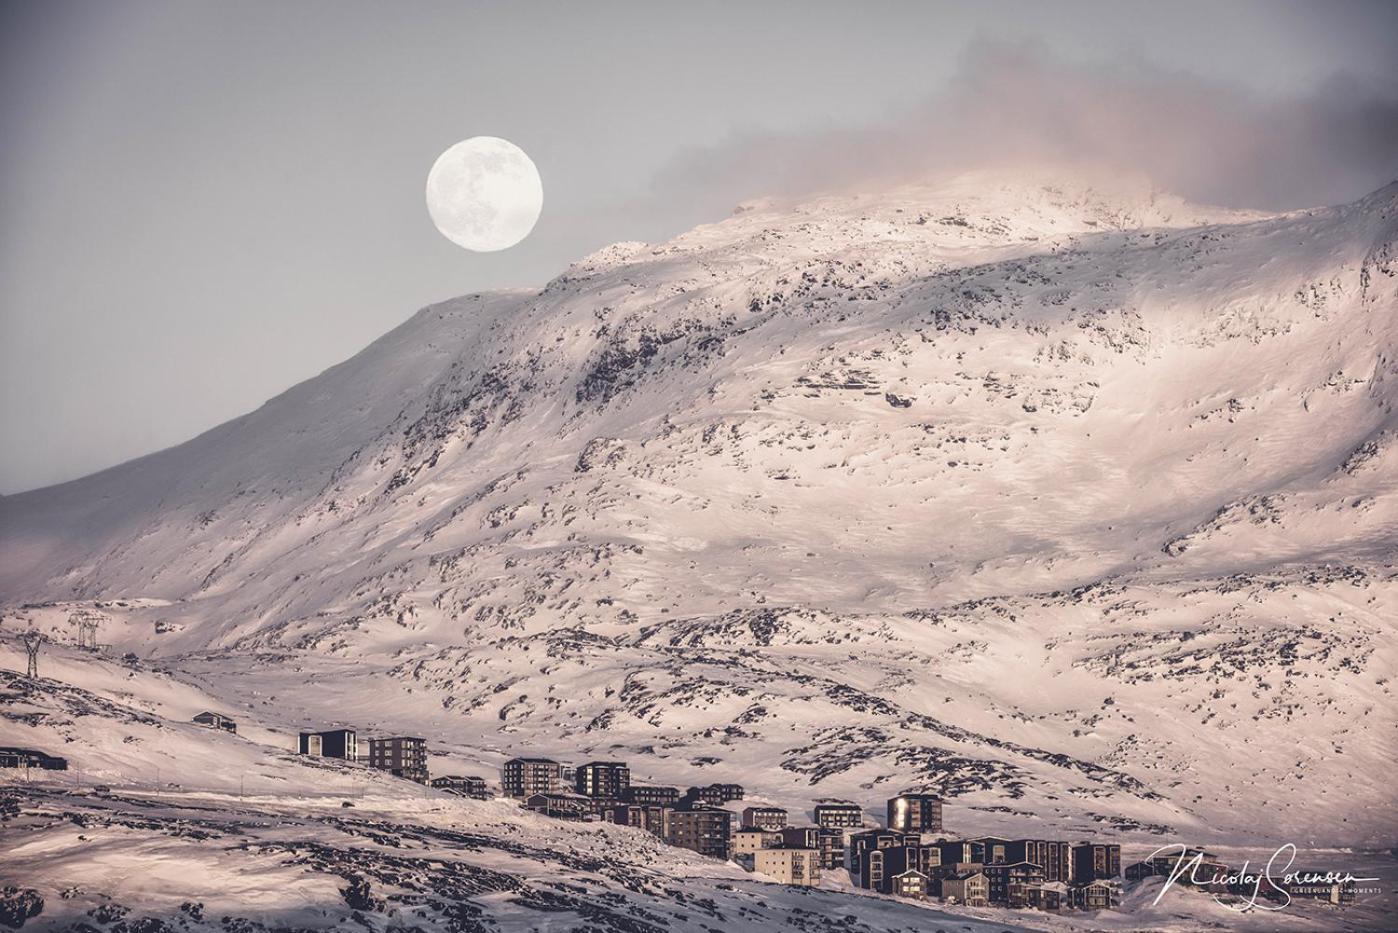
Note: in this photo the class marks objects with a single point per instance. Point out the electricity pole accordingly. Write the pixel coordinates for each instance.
(86, 622)
(31, 641)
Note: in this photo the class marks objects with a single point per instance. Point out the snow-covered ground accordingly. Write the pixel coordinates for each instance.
(203, 829)
(1077, 505)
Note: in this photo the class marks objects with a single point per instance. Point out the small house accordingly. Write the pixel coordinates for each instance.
(216, 721)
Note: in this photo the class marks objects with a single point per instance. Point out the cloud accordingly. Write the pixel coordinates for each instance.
(1021, 106)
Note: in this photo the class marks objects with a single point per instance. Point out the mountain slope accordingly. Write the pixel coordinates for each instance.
(1076, 504)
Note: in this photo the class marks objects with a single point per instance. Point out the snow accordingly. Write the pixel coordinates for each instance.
(1074, 504)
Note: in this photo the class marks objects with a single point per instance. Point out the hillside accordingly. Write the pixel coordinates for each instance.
(1078, 505)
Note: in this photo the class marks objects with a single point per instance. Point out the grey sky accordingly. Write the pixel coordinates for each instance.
(204, 203)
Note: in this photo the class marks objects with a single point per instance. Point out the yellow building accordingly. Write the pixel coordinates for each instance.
(748, 841)
(789, 866)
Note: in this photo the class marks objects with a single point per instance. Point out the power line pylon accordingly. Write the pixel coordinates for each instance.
(32, 640)
(86, 622)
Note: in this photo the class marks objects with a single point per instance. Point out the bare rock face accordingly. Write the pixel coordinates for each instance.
(18, 905)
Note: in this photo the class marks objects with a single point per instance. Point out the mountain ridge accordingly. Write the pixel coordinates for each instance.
(817, 485)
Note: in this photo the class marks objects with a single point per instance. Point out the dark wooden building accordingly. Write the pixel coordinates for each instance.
(11, 757)
(1138, 871)
(1050, 896)
(216, 721)
(958, 852)
(1009, 882)
(1102, 894)
(911, 884)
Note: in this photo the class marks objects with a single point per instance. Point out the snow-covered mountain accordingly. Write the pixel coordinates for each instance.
(1077, 504)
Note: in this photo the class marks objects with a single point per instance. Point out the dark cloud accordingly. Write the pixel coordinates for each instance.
(1020, 105)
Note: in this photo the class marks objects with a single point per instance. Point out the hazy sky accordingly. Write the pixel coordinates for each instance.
(202, 204)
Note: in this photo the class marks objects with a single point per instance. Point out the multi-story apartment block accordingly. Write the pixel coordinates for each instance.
(773, 818)
(1055, 858)
(1095, 860)
(839, 815)
(401, 756)
(706, 830)
(915, 813)
(651, 795)
(789, 866)
(524, 777)
(608, 779)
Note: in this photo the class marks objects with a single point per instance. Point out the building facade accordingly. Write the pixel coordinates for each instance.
(748, 841)
(990, 850)
(858, 853)
(800, 837)
(772, 818)
(336, 743)
(911, 884)
(467, 786)
(651, 819)
(706, 830)
(1010, 882)
(957, 852)
(713, 795)
(915, 813)
(524, 777)
(839, 815)
(1055, 858)
(560, 806)
(831, 845)
(402, 756)
(789, 866)
(609, 779)
(216, 721)
(1050, 896)
(1101, 894)
(31, 758)
(651, 795)
(1095, 860)
(969, 888)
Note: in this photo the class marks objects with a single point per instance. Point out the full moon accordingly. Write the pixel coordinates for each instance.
(484, 194)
